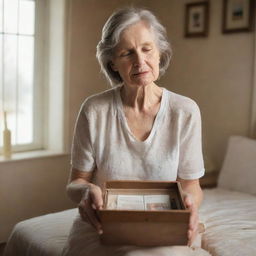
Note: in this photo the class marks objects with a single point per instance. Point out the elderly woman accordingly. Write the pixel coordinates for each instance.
(136, 130)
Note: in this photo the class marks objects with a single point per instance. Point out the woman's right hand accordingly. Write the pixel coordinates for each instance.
(91, 201)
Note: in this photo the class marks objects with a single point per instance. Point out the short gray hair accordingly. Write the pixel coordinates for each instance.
(115, 25)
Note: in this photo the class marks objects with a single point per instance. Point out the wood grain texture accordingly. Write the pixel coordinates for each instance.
(140, 227)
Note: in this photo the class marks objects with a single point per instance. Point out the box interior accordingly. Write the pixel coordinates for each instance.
(111, 196)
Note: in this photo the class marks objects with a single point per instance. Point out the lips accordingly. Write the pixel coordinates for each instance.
(140, 73)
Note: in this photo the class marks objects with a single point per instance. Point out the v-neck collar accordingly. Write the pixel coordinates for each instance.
(125, 123)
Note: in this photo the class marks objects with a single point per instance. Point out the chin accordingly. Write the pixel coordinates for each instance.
(144, 82)
(141, 84)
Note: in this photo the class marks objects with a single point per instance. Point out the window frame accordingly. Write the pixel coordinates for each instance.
(39, 86)
(50, 104)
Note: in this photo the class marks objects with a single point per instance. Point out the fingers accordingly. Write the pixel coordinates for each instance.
(82, 213)
(92, 217)
(96, 197)
(88, 205)
(193, 220)
(89, 215)
(192, 235)
(193, 225)
(193, 228)
(188, 200)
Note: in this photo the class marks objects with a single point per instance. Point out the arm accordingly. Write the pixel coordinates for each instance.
(77, 184)
(88, 195)
(192, 187)
(191, 164)
(193, 197)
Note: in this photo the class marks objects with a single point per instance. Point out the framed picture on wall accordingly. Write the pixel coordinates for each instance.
(238, 16)
(197, 19)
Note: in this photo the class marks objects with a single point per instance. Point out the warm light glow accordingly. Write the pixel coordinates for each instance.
(17, 26)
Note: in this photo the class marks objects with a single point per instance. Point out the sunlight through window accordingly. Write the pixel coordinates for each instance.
(17, 40)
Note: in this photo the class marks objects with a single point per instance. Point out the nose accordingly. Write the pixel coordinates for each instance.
(138, 59)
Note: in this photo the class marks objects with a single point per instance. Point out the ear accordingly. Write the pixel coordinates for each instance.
(113, 66)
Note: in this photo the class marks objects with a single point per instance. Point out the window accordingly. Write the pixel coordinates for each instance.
(20, 83)
(32, 74)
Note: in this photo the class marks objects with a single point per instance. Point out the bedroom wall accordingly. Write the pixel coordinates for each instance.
(216, 71)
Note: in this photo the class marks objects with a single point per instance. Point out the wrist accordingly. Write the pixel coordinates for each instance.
(76, 191)
(86, 190)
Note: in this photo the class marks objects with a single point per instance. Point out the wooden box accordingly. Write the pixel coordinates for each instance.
(144, 227)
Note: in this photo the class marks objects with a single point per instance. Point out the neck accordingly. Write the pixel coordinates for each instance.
(141, 97)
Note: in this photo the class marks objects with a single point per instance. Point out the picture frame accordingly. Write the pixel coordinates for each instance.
(197, 19)
(238, 16)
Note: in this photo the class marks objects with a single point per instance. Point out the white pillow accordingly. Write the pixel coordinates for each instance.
(239, 168)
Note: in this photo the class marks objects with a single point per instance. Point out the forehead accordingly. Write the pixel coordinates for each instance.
(135, 35)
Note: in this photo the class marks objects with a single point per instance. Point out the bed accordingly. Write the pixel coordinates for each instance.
(228, 212)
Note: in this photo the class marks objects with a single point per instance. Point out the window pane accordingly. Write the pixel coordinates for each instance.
(17, 29)
(27, 17)
(1, 16)
(11, 16)
(10, 81)
(25, 90)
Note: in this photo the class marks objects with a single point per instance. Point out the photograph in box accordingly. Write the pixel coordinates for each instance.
(144, 213)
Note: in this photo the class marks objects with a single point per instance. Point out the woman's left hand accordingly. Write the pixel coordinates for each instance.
(194, 219)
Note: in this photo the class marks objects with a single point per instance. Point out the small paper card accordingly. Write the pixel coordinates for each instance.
(130, 202)
(143, 202)
(157, 202)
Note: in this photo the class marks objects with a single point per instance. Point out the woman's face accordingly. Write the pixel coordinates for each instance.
(136, 56)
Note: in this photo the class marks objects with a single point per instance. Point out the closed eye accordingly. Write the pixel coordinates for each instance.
(126, 53)
(147, 49)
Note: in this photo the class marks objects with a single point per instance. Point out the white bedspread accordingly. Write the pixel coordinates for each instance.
(230, 222)
(229, 217)
(41, 236)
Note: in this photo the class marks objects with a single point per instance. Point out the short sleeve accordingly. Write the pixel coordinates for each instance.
(82, 155)
(191, 164)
